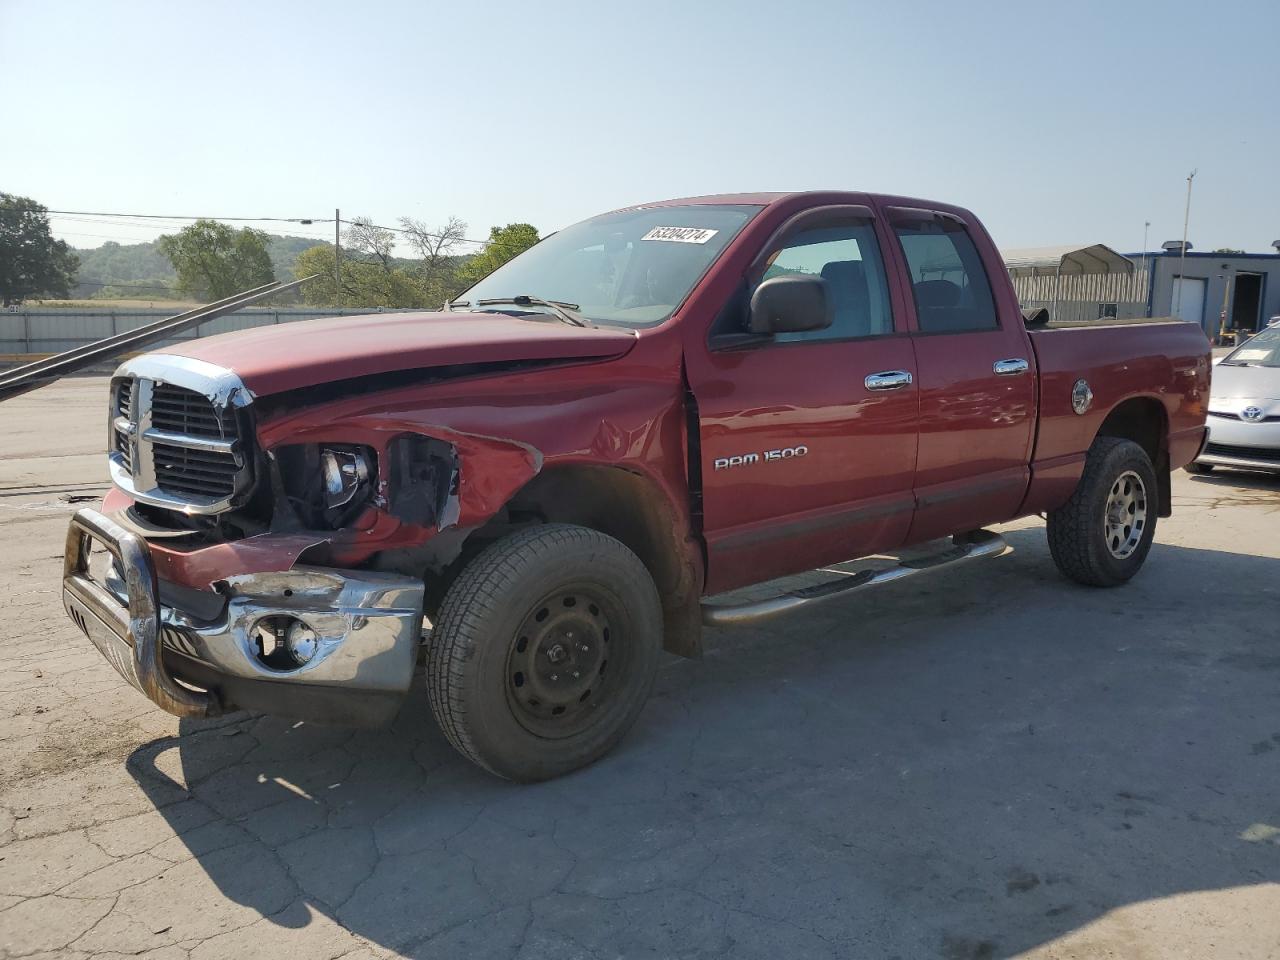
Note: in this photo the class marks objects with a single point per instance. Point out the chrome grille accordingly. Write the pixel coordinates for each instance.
(184, 465)
(189, 472)
(1235, 416)
(1244, 453)
(121, 414)
(124, 398)
(178, 410)
(179, 447)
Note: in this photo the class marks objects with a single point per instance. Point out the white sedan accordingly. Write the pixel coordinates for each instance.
(1244, 408)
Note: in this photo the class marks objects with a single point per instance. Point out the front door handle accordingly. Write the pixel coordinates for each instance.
(888, 380)
(1010, 368)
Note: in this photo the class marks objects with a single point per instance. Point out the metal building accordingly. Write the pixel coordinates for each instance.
(1223, 292)
(1219, 291)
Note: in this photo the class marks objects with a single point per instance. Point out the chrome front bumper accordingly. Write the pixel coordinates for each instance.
(368, 625)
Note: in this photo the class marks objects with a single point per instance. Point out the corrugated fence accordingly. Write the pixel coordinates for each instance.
(42, 331)
(1089, 296)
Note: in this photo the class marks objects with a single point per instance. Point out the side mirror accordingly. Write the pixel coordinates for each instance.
(791, 304)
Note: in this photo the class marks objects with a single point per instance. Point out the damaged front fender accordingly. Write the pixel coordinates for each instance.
(435, 477)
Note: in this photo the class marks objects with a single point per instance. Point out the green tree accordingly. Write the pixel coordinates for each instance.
(504, 243)
(214, 261)
(364, 283)
(31, 260)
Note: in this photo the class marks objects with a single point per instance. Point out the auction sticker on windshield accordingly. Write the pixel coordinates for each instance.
(1252, 354)
(680, 234)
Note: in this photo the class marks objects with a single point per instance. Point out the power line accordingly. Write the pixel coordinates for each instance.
(122, 286)
(433, 236)
(103, 236)
(128, 238)
(299, 220)
(77, 219)
(175, 224)
(160, 216)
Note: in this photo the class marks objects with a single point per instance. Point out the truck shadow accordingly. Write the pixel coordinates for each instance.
(965, 768)
(1253, 480)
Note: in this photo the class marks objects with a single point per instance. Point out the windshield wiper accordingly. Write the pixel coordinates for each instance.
(565, 311)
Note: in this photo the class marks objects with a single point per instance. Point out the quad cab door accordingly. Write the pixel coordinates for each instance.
(976, 370)
(808, 440)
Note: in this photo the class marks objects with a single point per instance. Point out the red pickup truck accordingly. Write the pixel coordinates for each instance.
(562, 468)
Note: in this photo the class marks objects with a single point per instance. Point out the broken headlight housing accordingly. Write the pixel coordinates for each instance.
(344, 471)
(325, 484)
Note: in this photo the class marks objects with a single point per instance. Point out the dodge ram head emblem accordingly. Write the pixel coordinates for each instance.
(1081, 397)
(1252, 414)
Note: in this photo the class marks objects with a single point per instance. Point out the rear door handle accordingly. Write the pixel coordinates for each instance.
(888, 380)
(1010, 368)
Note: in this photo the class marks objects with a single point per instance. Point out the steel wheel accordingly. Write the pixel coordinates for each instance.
(509, 680)
(1125, 515)
(561, 662)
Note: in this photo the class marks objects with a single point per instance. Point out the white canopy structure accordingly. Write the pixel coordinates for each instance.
(1070, 260)
(1079, 281)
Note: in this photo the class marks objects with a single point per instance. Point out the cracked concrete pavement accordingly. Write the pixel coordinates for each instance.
(991, 763)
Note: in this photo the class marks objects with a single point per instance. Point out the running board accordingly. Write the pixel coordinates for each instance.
(969, 546)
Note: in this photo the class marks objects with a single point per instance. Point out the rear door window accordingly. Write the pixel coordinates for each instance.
(948, 280)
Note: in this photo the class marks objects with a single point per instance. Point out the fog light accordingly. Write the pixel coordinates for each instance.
(301, 642)
(283, 642)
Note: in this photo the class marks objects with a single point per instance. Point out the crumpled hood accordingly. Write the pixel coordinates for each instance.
(275, 359)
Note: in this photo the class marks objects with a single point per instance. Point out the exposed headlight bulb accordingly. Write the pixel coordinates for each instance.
(283, 642)
(343, 471)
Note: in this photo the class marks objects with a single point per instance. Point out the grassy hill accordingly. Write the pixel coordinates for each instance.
(140, 270)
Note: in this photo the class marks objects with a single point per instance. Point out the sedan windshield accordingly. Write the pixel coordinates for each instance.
(1261, 351)
(633, 267)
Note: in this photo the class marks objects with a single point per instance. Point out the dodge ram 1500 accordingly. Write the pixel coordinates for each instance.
(558, 469)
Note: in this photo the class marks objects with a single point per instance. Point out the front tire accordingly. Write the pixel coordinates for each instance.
(545, 651)
(1102, 535)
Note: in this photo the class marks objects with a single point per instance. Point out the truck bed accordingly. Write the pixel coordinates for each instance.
(1157, 366)
(1104, 322)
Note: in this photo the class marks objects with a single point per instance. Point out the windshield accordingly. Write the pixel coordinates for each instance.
(1261, 351)
(633, 267)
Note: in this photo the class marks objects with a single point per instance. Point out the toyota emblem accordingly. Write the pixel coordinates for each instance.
(1252, 414)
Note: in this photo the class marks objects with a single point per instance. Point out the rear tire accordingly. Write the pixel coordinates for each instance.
(1198, 468)
(545, 651)
(1102, 535)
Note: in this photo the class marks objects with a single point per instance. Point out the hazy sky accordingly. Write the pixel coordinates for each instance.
(1055, 122)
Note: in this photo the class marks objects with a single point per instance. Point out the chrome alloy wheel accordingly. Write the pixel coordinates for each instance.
(1125, 516)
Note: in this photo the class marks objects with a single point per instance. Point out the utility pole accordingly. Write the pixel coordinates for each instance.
(1182, 254)
(1226, 302)
(337, 249)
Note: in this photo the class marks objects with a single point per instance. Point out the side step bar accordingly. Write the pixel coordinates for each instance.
(967, 546)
